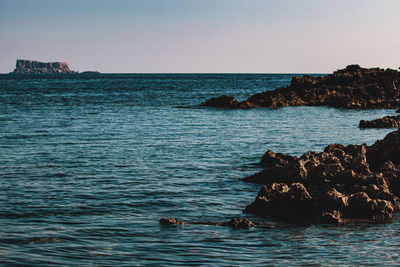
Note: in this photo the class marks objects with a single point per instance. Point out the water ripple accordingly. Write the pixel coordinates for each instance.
(89, 166)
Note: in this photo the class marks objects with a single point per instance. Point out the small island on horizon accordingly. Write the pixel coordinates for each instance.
(32, 67)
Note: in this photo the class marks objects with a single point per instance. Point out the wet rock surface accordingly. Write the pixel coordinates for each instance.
(385, 122)
(235, 223)
(340, 184)
(352, 88)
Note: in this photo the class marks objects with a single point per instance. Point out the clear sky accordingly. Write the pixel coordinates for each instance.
(251, 36)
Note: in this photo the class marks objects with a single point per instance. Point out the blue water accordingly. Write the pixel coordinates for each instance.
(89, 166)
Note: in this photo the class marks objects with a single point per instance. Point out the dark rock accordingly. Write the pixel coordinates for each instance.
(90, 73)
(333, 199)
(235, 223)
(353, 88)
(340, 184)
(35, 67)
(290, 203)
(385, 122)
(223, 101)
(398, 111)
(169, 221)
(385, 150)
(239, 223)
(332, 217)
(272, 159)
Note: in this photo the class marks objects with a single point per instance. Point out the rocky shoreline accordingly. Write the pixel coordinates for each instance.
(352, 88)
(341, 184)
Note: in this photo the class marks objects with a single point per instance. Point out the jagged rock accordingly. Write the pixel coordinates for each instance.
(385, 150)
(36, 67)
(342, 183)
(332, 217)
(291, 203)
(353, 88)
(333, 199)
(272, 159)
(385, 122)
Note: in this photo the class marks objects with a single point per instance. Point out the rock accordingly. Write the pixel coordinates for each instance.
(278, 200)
(36, 67)
(272, 159)
(239, 223)
(235, 223)
(398, 111)
(340, 184)
(332, 217)
(384, 151)
(385, 122)
(223, 101)
(352, 88)
(90, 73)
(333, 199)
(362, 207)
(169, 221)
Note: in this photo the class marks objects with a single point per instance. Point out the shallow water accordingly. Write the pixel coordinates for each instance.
(89, 166)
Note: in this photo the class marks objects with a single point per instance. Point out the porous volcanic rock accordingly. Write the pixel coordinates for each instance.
(36, 67)
(385, 122)
(340, 184)
(353, 88)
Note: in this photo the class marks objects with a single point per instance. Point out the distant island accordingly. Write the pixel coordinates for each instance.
(31, 67)
(36, 67)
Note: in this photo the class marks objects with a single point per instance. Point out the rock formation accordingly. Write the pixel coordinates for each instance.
(35, 67)
(385, 122)
(353, 88)
(340, 184)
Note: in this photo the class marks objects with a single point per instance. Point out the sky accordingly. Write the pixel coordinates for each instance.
(201, 36)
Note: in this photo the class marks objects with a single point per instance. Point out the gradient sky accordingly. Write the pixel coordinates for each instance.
(251, 36)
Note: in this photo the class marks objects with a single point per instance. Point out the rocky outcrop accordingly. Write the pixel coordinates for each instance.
(385, 122)
(353, 88)
(235, 223)
(36, 67)
(340, 184)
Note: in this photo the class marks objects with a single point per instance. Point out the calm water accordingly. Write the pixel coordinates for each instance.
(89, 166)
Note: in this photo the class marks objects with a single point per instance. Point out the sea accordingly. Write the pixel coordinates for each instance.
(89, 165)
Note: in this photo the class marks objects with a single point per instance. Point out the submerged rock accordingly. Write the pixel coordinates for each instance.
(169, 221)
(385, 122)
(353, 88)
(340, 184)
(235, 223)
(239, 223)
